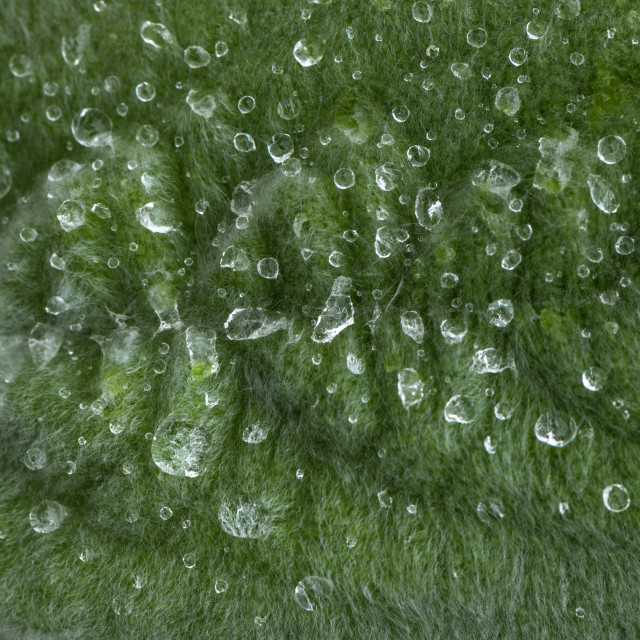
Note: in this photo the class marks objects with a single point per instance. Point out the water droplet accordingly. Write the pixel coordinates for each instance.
(221, 586)
(244, 519)
(244, 143)
(5, 181)
(60, 171)
(156, 34)
(196, 57)
(503, 410)
(477, 37)
(56, 305)
(490, 512)
(410, 387)
(616, 498)
(602, 195)
(556, 428)
(536, 29)
(593, 378)
(313, 592)
(53, 113)
(428, 209)
(44, 343)
(384, 498)
(145, 92)
(253, 323)
(92, 128)
(421, 12)
(568, 9)
(147, 135)
(400, 113)
(518, 56)
(452, 331)
(387, 176)
(308, 53)
(35, 458)
(461, 70)
(337, 314)
(20, 65)
(179, 447)
(246, 104)
(460, 408)
(221, 49)
(417, 155)
(611, 149)
(268, 268)
(71, 215)
(73, 47)
(289, 108)
(166, 513)
(344, 178)
(47, 516)
(280, 147)
(625, 245)
(189, 560)
(355, 364)
(576, 58)
(508, 101)
(28, 234)
(511, 260)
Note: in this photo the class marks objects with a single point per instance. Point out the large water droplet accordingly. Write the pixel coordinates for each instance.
(421, 12)
(337, 314)
(611, 149)
(428, 209)
(555, 428)
(253, 323)
(602, 194)
(179, 447)
(35, 458)
(459, 408)
(344, 178)
(280, 147)
(155, 217)
(71, 215)
(508, 101)
(496, 177)
(387, 176)
(477, 37)
(44, 343)
(47, 516)
(235, 259)
(92, 128)
(308, 52)
(593, 378)
(412, 325)
(490, 361)
(312, 592)
(201, 346)
(410, 387)
(73, 47)
(244, 519)
(201, 103)
(62, 170)
(196, 57)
